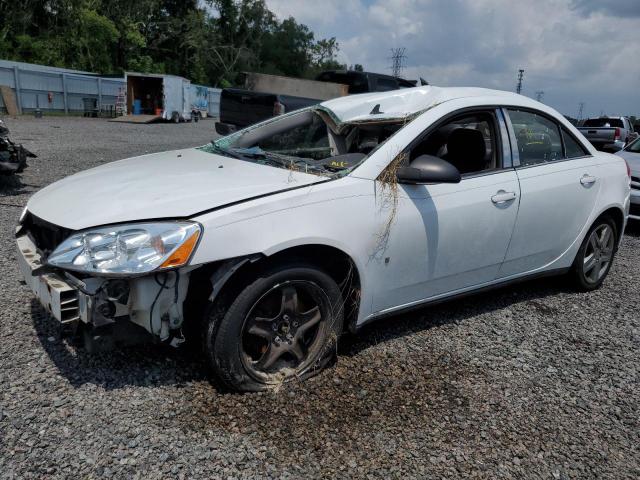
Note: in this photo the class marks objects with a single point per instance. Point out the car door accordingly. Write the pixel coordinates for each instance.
(558, 189)
(448, 237)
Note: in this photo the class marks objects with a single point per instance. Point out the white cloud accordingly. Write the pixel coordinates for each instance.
(574, 50)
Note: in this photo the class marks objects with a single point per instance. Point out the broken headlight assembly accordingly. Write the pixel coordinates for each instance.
(128, 249)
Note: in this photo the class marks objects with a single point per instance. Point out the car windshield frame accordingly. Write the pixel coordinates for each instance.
(228, 145)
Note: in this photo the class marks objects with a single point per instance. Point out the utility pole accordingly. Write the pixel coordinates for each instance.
(580, 110)
(397, 61)
(520, 77)
(539, 95)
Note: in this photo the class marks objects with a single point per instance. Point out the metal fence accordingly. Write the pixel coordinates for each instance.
(61, 90)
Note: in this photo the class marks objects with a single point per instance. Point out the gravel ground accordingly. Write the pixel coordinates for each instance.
(530, 381)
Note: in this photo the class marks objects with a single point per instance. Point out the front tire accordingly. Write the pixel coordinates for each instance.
(595, 256)
(284, 325)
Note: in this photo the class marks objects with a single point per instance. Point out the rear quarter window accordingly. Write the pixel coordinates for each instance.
(573, 148)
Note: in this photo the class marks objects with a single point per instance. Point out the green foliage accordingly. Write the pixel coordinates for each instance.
(91, 41)
(45, 51)
(208, 41)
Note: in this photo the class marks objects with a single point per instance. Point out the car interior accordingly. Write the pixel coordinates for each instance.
(468, 142)
(538, 138)
(307, 136)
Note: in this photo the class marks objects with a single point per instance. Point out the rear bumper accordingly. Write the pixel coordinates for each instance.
(615, 146)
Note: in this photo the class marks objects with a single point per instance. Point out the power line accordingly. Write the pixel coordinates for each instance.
(539, 95)
(520, 77)
(398, 58)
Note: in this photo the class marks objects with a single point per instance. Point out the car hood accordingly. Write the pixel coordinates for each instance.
(174, 184)
(633, 159)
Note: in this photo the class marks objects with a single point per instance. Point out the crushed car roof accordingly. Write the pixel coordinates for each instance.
(402, 103)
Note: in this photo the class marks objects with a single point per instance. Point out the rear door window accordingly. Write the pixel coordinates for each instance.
(538, 138)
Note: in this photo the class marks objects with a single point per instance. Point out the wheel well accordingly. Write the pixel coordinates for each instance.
(336, 263)
(618, 218)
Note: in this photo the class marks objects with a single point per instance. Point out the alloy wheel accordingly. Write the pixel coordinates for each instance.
(598, 253)
(284, 330)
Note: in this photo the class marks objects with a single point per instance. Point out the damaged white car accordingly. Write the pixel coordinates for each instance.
(274, 240)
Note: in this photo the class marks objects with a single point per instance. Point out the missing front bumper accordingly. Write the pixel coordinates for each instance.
(153, 303)
(63, 296)
(63, 301)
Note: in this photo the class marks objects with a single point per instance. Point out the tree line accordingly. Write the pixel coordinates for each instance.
(207, 41)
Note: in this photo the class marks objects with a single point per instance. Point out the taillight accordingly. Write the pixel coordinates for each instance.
(278, 109)
(616, 135)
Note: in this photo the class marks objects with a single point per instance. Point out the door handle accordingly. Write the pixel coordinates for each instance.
(503, 197)
(587, 180)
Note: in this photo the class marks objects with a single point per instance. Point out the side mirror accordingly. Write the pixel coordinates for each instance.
(428, 169)
(225, 129)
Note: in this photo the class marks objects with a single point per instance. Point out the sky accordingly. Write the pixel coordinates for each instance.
(573, 50)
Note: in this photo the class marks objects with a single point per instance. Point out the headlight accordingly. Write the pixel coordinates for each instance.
(128, 249)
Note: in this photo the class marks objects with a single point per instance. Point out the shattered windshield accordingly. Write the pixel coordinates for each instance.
(307, 141)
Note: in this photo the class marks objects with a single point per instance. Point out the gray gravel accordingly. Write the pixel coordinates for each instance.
(531, 381)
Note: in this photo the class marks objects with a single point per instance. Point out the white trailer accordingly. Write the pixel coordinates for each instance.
(157, 96)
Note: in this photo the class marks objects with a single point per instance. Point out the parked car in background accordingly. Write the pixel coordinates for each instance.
(608, 133)
(241, 107)
(277, 238)
(631, 154)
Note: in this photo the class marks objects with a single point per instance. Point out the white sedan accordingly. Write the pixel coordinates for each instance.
(631, 154)
(279, 237)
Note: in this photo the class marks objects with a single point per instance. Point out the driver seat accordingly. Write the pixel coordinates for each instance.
(466, 150)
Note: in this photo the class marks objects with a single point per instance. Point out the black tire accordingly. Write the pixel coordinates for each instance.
(301, 335)
(587, 280)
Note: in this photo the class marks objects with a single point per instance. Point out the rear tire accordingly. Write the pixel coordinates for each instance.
(283, 325)
(595, 256)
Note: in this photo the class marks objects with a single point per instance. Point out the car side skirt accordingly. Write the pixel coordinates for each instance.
(457, 295)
